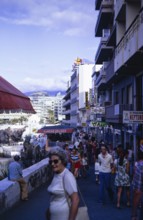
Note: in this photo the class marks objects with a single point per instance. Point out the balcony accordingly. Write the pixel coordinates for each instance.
(110, 71)
(104, 52)
(73, 76)
(120, 8)
(101, 79)
(67, 112)
(97, 4)
(73, 113)
(66, 103)
(73, 88)
(105, 17)
(66, 122)
(67, 95)
(114, 113)
(74, 100)
(129, 51)
(112, 38)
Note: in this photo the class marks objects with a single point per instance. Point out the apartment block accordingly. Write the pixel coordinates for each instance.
(120, 52)
(47, 106)
(67, 105)
(77, 95)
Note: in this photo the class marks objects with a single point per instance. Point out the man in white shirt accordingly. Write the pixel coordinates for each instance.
(106, 163)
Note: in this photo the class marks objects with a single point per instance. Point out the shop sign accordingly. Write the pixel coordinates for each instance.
(133, 117)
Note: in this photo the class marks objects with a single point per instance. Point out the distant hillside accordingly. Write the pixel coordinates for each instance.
(49, 93)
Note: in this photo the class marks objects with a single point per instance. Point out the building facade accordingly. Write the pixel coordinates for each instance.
(47, 107)
(77, 95)
(67, 105)
(120, 81)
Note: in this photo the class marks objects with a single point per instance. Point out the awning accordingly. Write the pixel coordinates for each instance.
(56, 129)
(11, 99)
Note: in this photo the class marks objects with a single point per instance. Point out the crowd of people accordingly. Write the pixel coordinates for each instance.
(33, 149)
(116, 174)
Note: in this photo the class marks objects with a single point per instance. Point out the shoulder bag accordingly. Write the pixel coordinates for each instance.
(82, 213)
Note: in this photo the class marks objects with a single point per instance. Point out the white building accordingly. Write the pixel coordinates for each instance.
(67, 105)
(81, 83)
(45, 105)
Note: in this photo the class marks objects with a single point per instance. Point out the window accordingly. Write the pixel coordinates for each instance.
(123, 101)
(116, 97)
(129, 95)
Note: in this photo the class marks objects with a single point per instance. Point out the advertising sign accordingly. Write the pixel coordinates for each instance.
(133, 117)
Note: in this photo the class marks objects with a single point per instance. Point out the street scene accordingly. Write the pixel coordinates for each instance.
(38, 202)
(71, 110)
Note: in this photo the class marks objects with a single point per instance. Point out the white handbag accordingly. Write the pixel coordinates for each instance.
(82, 213)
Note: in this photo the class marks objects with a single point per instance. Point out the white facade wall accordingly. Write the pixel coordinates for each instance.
(85, 82)
(82, 83)
(42, 104)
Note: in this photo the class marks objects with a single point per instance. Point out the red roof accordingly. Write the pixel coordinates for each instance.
(12, 99)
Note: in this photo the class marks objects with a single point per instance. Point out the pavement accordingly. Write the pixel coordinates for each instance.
(35, 207)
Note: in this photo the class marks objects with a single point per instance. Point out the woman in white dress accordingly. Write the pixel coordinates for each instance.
(62, 188)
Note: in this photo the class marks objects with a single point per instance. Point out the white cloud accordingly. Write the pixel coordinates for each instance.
(68, 16)
(42, 83)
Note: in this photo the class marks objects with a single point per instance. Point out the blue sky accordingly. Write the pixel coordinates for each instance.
(40, 39)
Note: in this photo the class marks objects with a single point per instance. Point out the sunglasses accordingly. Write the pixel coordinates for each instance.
(54, 161)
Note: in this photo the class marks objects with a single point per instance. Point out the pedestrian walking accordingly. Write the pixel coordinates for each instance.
(15, 174)
(138, 186)
(76, 161)
(68, 153)
(96, 163)
(106, 163)
(84, 164)
(122, 179)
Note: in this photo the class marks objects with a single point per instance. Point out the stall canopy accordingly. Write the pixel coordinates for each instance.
(56, 129)
(11, 99)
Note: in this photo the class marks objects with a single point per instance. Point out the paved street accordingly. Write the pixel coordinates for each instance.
(34, 209)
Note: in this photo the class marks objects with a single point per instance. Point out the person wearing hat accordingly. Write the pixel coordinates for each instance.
(63, 188)
(15, 174)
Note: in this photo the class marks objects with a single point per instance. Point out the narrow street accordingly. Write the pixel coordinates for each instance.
(34, 208)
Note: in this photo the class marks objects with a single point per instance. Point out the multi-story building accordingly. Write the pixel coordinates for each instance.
(77, 95)
(120, 81)
(45, 105)
(67, 105)
(74, 95)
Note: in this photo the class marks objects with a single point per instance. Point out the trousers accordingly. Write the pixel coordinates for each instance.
(105, 181)
(23, 188)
